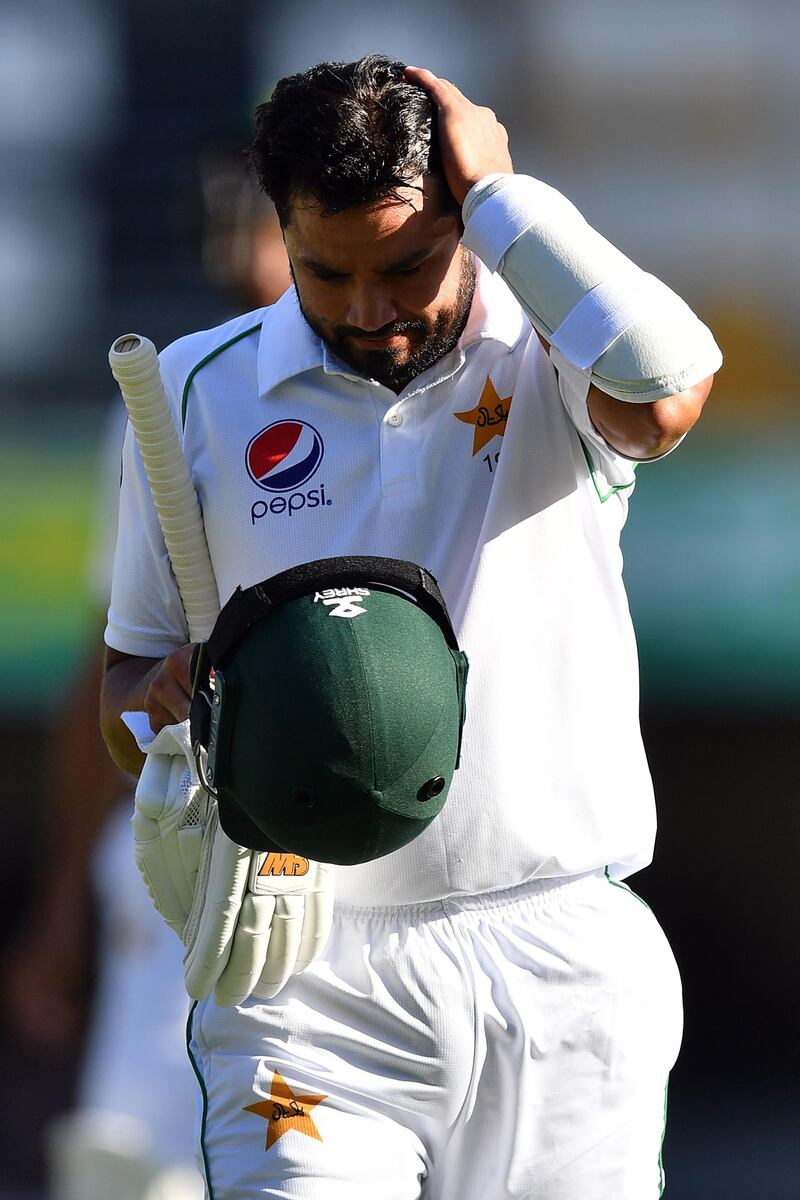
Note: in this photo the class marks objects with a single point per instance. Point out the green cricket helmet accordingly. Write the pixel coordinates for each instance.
(327, 709)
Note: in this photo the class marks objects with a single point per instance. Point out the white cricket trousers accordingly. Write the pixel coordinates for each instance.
(515, 1044)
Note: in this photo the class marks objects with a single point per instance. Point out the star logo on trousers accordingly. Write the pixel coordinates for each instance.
(489, 417)
(285, 1110)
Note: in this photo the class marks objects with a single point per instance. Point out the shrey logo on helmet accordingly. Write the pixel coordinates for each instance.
(343, 602)
(284, 456)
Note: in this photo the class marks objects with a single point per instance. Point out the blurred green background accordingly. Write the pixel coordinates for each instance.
(46, 539)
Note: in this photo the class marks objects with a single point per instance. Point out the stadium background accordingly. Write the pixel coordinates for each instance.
(672, 128)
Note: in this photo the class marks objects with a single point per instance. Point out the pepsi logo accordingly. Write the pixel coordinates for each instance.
(284, 456)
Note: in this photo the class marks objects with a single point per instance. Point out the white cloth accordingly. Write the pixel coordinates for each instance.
(513, 1047)
(481, 470)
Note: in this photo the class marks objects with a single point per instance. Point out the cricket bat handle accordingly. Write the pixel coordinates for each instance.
(134, 365)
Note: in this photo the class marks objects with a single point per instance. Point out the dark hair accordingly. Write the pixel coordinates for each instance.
(344, 134)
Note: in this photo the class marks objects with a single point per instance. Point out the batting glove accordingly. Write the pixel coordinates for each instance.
(249, 919)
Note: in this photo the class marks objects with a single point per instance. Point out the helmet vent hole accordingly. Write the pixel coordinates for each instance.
(431, 789)
(306, 797)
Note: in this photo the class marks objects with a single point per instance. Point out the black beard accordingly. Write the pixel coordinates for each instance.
(439, 338)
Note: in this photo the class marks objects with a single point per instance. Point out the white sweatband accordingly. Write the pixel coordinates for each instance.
(633, 336)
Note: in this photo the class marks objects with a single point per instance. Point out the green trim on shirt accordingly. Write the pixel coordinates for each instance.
(619, 884)
(615, 487)
(662, 1176)
(204, 362)
(201, 1081)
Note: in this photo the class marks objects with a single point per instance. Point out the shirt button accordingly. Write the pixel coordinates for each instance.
(395, 419)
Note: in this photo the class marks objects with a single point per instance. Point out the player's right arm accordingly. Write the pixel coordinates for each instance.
(147, 658)
(161, 687)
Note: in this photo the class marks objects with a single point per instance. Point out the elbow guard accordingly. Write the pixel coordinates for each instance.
(631, 334)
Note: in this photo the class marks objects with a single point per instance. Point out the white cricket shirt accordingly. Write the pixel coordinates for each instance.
(486, 470)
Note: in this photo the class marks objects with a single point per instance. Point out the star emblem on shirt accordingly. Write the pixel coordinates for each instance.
(489, 416)
(285, 1110)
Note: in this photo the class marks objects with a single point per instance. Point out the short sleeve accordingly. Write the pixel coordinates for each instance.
(611, 471)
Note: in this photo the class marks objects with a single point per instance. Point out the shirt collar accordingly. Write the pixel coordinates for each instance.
(288, 345)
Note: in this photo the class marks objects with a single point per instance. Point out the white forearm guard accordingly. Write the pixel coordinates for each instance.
(633, 336)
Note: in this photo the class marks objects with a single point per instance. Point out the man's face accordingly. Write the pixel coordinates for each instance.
(388, 286)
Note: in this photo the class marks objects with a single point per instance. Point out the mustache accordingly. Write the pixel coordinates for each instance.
(390, 330)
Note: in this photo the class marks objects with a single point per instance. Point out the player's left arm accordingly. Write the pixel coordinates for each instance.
(648, 430)
(474, 148)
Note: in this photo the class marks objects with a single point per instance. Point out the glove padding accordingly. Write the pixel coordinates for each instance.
(249, 919)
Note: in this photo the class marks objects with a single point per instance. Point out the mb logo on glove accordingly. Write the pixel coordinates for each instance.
(283, 864)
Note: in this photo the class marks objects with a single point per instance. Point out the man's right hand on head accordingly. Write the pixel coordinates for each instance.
(473, 142)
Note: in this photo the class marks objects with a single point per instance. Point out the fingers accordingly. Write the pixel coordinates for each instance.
(219, 892)
(153, 786)
(472, 142)
(168, 694)
(189, 849)
(153, 868)
(168, 855)
(316, 928)
(284, 945)
(247, 934)
(166, 706)
(440, 90)
(177, 666)
(248, 951)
